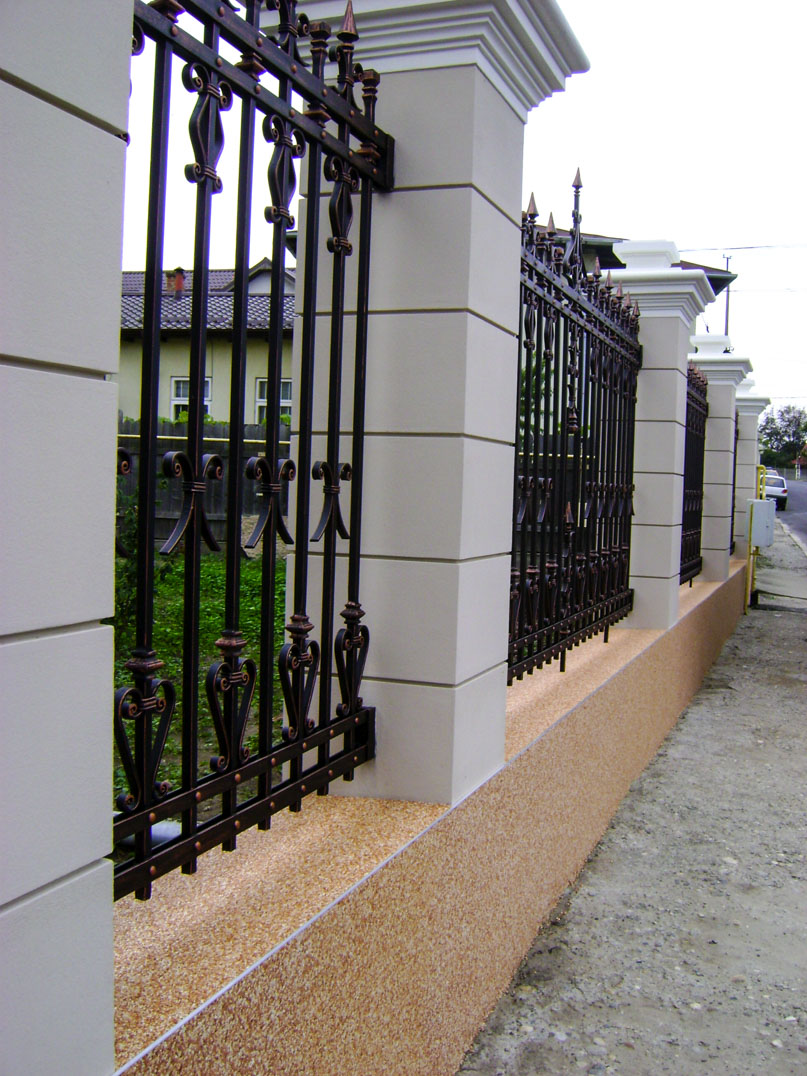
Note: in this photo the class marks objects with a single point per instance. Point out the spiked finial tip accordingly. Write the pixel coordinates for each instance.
(550, 225)
(349, 22)
(597, 269)
(532, 208)
(577, 182)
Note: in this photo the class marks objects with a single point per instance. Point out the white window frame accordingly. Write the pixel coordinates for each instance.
(260, 399)
(180, 395)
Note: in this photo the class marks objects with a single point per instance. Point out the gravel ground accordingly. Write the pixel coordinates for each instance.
(682, 946)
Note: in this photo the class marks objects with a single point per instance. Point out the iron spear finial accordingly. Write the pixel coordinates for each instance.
(550, 225)
(532, 208)
(348, 24)
(577, 183)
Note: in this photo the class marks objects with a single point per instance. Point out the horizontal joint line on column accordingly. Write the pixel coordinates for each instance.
(460, 187)
(21, 363)
(45, 633)
(431, 683)
(40, 890)
(458, 435)
(401, 559)
(655, 578)
(63, 106)
(428, 310)
(428, 434)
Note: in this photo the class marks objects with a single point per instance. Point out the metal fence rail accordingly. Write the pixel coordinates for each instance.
(697, 413)
(579, 358)
(347, 155)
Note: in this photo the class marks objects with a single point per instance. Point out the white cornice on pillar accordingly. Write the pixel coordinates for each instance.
(727, 371)
(748, 402)
(527, 50)
(661, 288)
(647, 253)
(751, 405)
(713, 354)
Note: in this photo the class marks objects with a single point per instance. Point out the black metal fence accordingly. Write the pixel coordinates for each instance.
(697, 413)
(732, 543)
(169, 496)
(579, 359)
(219, 796)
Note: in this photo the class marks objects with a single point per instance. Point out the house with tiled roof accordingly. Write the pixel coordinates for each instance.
(175, 326)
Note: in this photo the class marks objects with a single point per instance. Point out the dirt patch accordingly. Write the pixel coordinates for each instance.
(681, 948)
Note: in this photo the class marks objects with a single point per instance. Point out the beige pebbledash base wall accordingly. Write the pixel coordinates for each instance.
(396, 976)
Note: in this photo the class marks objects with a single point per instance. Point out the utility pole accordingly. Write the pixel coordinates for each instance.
(728, 288)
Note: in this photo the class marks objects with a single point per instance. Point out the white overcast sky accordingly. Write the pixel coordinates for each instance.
(690, 126)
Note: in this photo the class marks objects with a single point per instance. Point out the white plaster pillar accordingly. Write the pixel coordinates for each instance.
(670, 298)
(441, 386)
(64, 83)
(712, 354)
(749, 408)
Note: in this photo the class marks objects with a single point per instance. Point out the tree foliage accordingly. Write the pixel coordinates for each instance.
(782, 434)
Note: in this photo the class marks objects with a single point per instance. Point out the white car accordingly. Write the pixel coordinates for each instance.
(776, 490)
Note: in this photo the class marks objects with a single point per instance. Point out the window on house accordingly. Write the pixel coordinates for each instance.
(260, 399)
(181, 393)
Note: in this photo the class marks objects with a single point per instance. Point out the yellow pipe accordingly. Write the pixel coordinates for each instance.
(749, 558)
(751, 561)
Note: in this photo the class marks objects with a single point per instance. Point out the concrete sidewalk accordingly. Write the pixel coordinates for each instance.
(682, 948)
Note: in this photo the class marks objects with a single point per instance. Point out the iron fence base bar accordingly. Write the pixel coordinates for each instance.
(690, 569)
(598, 620)
(132, 877)
(216, 784)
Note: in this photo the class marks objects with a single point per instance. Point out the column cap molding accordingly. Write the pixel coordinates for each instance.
(751, 405)
(527, 50)
(664, 293)
(725, 370)
(661, 287)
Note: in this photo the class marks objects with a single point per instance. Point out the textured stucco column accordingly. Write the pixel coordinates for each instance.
(64, 83)
(749, 407)
(455, 89)
(670, 298)
(713, 356)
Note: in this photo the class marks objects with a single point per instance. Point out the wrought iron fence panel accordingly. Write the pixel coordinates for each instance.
(579, 359)
(285, 99)
(732, 543)
(692, 512)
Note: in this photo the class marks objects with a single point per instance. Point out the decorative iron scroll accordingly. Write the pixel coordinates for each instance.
(237, 699)
(579, 359)
(695, 448)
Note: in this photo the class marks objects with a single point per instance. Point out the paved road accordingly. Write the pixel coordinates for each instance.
(795, 515)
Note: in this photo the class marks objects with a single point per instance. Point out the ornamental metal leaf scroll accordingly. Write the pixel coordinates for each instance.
(578, 362)
(214, 96)
(345, 148)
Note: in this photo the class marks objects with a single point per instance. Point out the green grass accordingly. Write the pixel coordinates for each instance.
(167, 642)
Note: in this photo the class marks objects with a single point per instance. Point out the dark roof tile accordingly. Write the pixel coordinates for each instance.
(176, 313)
